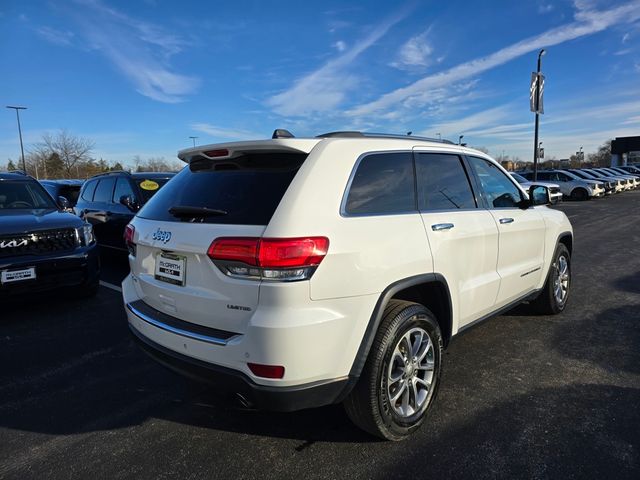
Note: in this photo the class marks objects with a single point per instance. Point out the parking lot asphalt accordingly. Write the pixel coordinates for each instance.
(521, 396)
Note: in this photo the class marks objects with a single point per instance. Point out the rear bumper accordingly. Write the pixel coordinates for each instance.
(53, 271)
(229, 381)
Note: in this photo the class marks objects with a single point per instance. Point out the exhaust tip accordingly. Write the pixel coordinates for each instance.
(244, 402)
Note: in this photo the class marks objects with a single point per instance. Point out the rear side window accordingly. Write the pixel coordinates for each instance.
(382, 184)
(104, 190)
(89, 190)
(442, 183)
(246, 189)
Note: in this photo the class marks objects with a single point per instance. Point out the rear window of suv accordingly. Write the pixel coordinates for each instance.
(248, 188)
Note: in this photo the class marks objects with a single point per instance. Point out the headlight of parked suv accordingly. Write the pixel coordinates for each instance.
(85, 234)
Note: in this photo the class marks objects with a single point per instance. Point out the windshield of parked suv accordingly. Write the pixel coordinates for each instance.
(149, 187)
(23, 195)
(245, 190)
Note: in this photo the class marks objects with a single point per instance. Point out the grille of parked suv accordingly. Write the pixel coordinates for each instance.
(38, 243)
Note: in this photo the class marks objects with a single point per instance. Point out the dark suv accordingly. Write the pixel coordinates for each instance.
(69, 189)
(41, 246)
(110, 200)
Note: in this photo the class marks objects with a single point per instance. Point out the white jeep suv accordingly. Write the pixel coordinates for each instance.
(300, 272)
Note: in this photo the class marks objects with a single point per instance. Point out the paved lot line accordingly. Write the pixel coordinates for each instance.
(111, 286)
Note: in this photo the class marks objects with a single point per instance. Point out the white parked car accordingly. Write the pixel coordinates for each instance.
(623, 181)
(631, 169)
(570, 184)
(632, 180)
(300, 272)
(611, 185)
(554, 189)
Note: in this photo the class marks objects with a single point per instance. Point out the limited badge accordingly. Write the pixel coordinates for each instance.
(149, 185)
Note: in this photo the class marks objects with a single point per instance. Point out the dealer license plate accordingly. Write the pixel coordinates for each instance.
(9, 276)
(171, 268)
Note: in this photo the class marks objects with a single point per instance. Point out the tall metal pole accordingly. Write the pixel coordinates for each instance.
(537, 105)
(24, 165)
(194, 141)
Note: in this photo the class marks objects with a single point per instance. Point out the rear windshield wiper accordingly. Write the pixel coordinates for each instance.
(183, 211)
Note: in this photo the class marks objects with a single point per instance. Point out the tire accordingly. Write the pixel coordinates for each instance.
(370, 405)
(580, 194)
(548, 302)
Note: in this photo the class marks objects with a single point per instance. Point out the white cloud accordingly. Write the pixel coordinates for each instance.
(140, 50)
(340, 46)
(325, 88)
(416, 52)
(221, 133)
(588, 22)
(545, 8)
(471, 122)
(625, 38)
(57, 37)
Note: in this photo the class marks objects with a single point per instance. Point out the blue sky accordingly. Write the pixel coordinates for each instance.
(140, 77)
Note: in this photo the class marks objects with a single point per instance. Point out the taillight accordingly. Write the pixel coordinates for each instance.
(284, 259)
(129, 232)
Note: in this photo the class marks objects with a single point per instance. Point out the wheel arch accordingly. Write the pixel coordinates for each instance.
(430, 290)
(566, 238)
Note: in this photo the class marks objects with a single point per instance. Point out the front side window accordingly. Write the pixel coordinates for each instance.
(104, 190)
(442, 182)
(498, 189)
(383, 184)
(123, 189)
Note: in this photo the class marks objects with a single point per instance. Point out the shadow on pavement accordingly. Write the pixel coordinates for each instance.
(577, 431)
(610, 339)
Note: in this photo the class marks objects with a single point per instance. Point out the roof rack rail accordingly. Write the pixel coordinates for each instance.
(357, 134)
(111, 171)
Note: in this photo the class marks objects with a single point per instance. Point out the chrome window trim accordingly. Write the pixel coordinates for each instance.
(415, 149)
(345, 195)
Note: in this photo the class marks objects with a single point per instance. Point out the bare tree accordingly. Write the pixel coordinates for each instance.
(156, 164)
(602, 158)
(72, 151)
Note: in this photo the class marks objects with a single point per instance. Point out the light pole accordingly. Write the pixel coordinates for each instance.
(460, 139)
(194, 141)
(439, 136)
(17, 109)
(537, 109)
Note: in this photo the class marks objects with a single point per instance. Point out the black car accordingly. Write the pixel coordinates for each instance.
(41, 246)
(110, 200)
(69, 189)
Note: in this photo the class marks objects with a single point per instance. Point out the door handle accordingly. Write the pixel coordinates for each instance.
(441, 226)
(506, 220)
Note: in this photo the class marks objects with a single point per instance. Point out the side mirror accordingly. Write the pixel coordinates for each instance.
(129, 202)
(63, 203)
(539, 195)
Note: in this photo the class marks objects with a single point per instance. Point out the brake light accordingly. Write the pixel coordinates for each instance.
(223, 152)
(287, 259)
(129, 232)
(266, 371)
(243, 250)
